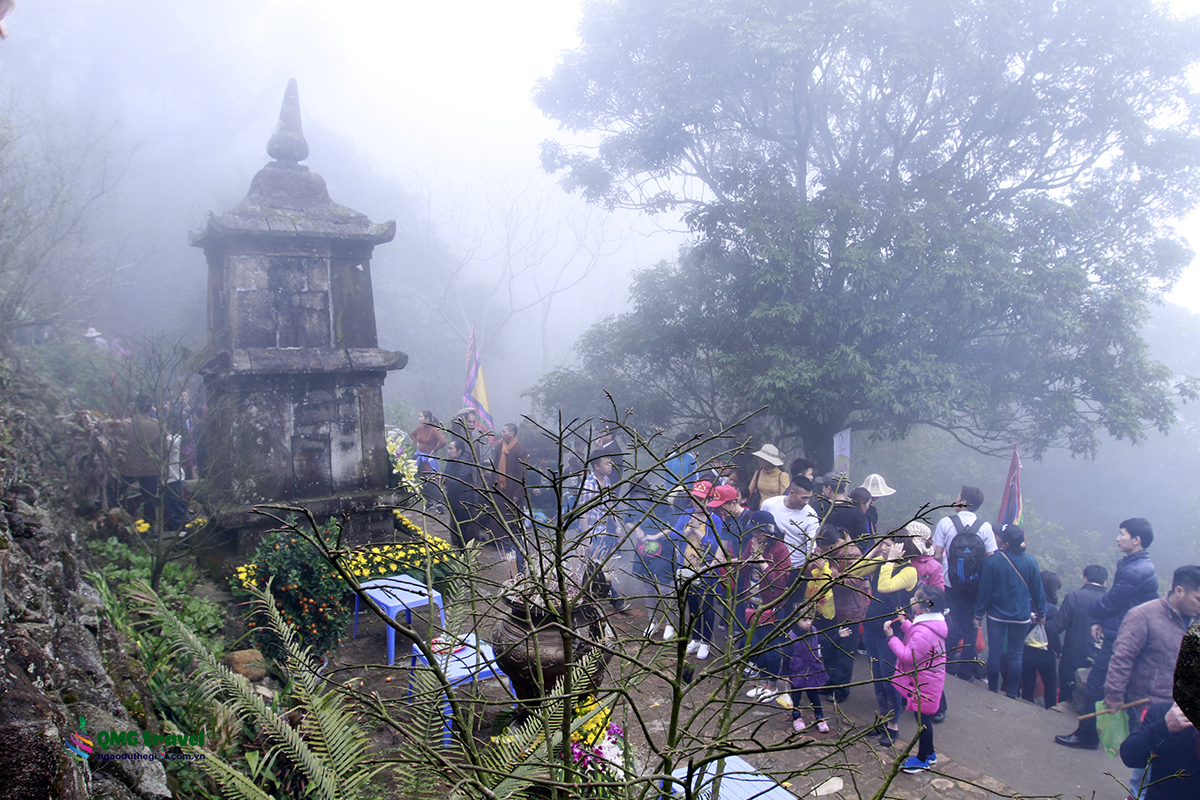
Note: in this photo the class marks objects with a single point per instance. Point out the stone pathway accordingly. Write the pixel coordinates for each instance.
(988, 747)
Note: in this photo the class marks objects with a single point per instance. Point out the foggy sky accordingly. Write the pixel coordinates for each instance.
(413, 111)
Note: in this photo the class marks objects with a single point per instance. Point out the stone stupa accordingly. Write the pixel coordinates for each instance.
(294, 374)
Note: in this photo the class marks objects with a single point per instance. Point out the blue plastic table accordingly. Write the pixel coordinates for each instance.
(475, 662)
(396, 593)
(739, 781)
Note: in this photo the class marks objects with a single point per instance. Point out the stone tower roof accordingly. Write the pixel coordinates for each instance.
(286, 199)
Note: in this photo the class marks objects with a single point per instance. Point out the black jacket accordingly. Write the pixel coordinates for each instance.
(849, 518)
(1133, 584)
(1173, 753)
(1074, 622)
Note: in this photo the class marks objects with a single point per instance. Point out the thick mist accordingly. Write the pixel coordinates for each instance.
(413, 116)
(187, 98)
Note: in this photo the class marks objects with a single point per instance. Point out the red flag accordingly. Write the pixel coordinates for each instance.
(1010, 503)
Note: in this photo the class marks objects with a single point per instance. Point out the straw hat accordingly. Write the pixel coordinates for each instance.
(877, 486)
(921, 535)
(770, 453)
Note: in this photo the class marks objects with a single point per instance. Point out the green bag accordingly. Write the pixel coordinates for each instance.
(1113, 728)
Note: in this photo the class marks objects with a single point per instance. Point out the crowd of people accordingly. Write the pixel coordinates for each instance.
(794, 569)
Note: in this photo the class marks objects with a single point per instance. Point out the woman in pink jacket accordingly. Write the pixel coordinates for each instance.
(921, 667)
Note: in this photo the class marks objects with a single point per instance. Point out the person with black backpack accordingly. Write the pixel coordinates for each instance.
(962, 541)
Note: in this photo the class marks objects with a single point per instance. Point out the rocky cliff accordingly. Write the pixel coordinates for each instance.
(62, 660)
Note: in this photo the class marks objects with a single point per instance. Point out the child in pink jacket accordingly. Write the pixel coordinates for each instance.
(929, 569)
(921, 667)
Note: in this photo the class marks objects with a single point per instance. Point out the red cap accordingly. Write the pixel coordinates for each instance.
(700, 489)
(721, 495)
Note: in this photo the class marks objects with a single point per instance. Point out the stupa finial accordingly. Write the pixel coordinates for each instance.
(287, 144)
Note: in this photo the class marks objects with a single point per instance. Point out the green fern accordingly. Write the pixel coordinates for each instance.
(421, 731)
(458, 604)
(533, 749)
(329, 746)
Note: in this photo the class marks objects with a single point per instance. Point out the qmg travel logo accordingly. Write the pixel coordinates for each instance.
(80, 746)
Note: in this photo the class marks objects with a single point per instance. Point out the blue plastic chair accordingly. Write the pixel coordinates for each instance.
(395, 594)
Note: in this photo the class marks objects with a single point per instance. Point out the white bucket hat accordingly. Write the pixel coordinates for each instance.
(770, 453)
(877, 486)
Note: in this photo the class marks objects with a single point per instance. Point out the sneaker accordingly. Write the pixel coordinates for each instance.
(702, 651)
(651, 628)
(668, 633)
(756, 692)
(784, 699)
(888, 737)
(798, 724)
(932, 759)
(621, 606)
(913, 765)
(693, 646)
(822, 726)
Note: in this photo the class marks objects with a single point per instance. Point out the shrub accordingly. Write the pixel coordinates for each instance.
(308, 591)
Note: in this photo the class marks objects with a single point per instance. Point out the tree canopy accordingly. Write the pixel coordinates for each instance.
(941, 212)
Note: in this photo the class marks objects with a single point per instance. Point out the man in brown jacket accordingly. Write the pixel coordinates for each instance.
(143, 460)
(1147, 646)
(1143, 661)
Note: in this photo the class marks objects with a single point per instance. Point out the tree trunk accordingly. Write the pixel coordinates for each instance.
(818, 443)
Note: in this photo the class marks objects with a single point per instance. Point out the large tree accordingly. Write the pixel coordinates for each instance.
(948, 212)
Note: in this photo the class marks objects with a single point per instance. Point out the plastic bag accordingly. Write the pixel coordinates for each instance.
(1036, 637)
(1113, 729)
